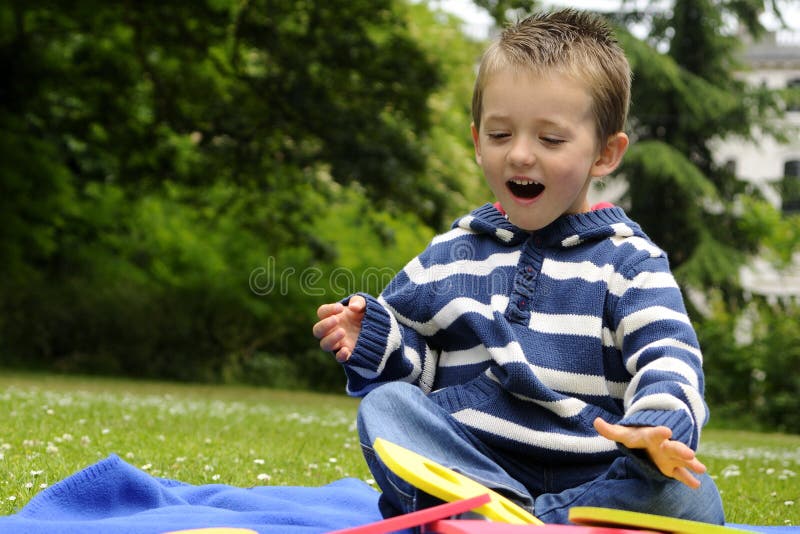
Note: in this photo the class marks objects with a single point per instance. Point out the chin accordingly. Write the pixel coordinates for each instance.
(528, 226)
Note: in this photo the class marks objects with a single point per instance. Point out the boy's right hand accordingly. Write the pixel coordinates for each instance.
(339, 326)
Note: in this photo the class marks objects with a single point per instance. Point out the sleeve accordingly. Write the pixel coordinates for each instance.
(393, 345)
(661, 351)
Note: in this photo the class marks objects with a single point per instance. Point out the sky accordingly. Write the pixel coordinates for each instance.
(477, 22)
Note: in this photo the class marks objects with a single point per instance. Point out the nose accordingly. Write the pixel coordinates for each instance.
(521, 153)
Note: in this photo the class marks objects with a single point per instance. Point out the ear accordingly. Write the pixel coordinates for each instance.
(610, 156)
(476, 141)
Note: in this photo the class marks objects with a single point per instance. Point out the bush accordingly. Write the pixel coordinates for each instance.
(193, 286)
(751, 363)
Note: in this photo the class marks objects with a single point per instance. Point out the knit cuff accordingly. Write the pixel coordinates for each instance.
(678, 421)
(371, 344)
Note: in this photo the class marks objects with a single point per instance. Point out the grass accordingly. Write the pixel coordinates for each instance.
(248, 436)
(757, 475)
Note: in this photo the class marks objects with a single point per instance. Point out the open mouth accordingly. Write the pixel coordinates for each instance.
(524, 188)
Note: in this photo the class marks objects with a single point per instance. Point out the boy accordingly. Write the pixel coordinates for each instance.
(540, 347)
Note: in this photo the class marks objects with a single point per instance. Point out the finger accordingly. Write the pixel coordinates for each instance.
(332, 342)
(678, 450)
(326, 310)
(323, 327)
(683, 455)
(342, 355)
(697, 466)
(613, 432)
(682, 474)
(357, 303)
(663, 433)
(652, 438)
(602, 426)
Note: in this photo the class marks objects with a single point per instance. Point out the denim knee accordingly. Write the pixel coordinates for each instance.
(701, 504)
(388, 412)
(382, 410)
(669, 497)
(625, 486)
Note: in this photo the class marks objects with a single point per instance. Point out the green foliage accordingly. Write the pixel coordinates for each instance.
(35, 196)
(159, 158)
(674, 189)
(750, 359)
(450, 167)
(775, 353)
(687, 97)
(145, 275)
(778, 234)
(182, 185)
(177, 275)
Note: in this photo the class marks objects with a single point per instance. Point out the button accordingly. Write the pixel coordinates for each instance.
(522, 303)
(529, 269)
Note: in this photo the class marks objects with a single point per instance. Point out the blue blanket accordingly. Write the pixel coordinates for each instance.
(114, 497)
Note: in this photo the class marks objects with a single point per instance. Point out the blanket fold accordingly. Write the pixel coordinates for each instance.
(114, 497)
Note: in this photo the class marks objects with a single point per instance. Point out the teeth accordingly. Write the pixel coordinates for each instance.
(525, 187)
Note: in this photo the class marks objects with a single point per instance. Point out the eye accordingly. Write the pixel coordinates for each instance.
(497, 135)
(554, 141)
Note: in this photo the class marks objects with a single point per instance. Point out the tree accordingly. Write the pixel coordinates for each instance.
(155, 153)
(682, 101)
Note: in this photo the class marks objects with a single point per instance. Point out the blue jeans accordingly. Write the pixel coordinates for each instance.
(403, 414)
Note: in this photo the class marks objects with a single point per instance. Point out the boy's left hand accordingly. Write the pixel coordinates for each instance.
(673, 458)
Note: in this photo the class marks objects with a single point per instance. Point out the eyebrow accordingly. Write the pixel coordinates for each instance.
(501, 117)
(496, 116)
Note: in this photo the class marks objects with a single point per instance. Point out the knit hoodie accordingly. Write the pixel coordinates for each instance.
(527, 337)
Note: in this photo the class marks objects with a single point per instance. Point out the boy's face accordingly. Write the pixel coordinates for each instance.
(537, 146)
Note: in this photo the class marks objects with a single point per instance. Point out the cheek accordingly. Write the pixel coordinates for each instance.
(576, 166)
(491, 163)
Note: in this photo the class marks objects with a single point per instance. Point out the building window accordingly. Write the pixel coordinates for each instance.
(790, 188)
(793, 95)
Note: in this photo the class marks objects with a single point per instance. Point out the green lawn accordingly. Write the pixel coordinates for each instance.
(242, 436)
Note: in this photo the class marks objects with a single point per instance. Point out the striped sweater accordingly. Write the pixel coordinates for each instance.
(526, 337)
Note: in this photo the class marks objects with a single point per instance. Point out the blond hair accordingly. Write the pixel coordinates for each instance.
(577, 44)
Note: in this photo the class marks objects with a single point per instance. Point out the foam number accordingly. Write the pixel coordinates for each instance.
(446, 484)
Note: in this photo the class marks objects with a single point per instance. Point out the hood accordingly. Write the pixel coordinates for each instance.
(566, 231)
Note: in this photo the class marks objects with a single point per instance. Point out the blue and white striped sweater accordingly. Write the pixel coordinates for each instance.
(526, 337)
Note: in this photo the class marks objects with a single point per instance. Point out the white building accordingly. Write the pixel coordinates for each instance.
(774, 63)
(769, 166)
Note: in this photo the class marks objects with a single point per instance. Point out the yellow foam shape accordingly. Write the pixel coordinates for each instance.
(446, 484)
(588, 515)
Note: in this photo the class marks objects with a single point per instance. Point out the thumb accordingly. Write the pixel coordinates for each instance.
(602, 426)
(357, 304)
(605, 429)
(616, 433)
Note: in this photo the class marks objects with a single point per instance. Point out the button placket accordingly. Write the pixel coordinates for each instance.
(527, 275)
